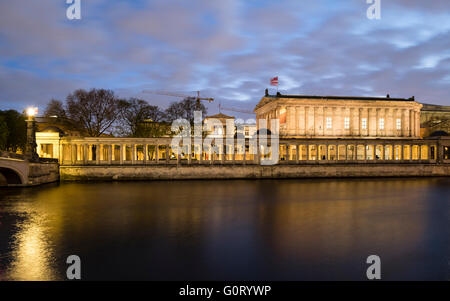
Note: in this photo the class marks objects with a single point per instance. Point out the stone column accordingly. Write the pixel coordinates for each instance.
(288, 120)
(355, 122)
(365, 152)
(307, 152)
(167, 154)
(73, 153)
(336, 152)
(156, 153)
(317, 152)
(404, 126)
(302, 121)
(373, 122)
(417, 115)
(377, 130)
(133, 154)
(346, 152)
(389, 123)
(85, 154)
(307, 121)
(110, 152)
(298, 153)
(294, 121)
(420, 152)
(145, 152)
(97, 154)
(121, 153)
(337, 129)
(322, 118)
(412, 123)
(401, 152)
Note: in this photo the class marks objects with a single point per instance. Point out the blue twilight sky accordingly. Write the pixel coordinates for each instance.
(228, 49)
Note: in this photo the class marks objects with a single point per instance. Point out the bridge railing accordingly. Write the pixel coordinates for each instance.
(5, 154)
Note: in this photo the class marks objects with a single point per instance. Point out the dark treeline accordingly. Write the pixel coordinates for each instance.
(98, 112)
(13, 131)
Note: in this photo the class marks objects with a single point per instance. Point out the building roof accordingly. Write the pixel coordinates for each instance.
(430, 107)
(268, 98)
(220, 115)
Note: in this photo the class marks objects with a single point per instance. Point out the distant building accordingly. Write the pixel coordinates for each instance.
(435, 120)
(219, 130)
(249, 130)
(53, 124)
(149, 128)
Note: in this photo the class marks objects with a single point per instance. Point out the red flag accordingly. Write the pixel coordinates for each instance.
(274, 81)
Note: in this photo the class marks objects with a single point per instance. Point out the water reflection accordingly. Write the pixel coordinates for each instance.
(227, 230)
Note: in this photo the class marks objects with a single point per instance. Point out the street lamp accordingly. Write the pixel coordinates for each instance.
(30, 149)
(31, 112)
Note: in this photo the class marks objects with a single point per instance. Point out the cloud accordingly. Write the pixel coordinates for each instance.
(227, 49)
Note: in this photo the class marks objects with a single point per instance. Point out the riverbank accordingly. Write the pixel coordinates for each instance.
(183, 172)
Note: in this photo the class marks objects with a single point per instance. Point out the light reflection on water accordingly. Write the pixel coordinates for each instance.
(228, 230)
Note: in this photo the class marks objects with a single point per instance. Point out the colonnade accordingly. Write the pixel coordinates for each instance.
(126, 151)
(333, 151)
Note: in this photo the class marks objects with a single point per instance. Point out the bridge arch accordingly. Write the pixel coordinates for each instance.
(9, 176)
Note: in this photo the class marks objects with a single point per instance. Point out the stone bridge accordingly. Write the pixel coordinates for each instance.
(16, 170)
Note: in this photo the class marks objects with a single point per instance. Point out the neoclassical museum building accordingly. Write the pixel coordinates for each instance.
(312, 130)
(304, 116)
(341, 128)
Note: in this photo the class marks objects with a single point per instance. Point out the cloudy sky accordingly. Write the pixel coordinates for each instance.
(228, 49)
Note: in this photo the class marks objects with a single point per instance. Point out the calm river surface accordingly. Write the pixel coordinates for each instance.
(228, 230)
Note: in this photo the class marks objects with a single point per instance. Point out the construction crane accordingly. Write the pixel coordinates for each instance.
(198, 98)
(234, 110)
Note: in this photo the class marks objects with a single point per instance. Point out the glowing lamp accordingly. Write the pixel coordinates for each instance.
(32, 111)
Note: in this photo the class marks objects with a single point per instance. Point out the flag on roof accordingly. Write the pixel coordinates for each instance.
(274, 81)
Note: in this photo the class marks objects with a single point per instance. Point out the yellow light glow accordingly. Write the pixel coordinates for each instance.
(32, 111)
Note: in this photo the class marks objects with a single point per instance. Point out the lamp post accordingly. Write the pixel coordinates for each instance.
(30, 149)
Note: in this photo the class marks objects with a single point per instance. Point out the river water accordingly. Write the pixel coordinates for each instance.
(228, 230)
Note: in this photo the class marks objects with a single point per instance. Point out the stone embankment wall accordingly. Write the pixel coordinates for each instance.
(42, 173)
(180, 172)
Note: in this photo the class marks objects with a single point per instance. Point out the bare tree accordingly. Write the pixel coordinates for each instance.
(137, 117)
(185, 109)
(55, 108)
(95, 111)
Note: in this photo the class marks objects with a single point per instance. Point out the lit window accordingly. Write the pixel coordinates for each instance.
(381, 123)
(399, 124)
(329, 123)
(364, 123)
(347, 123)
